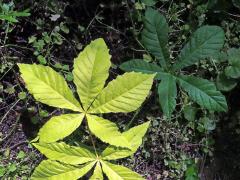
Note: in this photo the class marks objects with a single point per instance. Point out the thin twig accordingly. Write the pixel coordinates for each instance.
(14, 146)
(11, 132)
(5, 115)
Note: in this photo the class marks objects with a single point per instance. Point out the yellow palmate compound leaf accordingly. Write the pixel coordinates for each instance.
(91, 71)
(134, 136)
(107, 131)
(124, 94)
(97, 173)
(65, 153)
(58, 127)
(48, 87)
(117, 172)
(53, 170)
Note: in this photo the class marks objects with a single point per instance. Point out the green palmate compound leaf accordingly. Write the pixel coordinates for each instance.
(203, 92)
(117, 172)
(53, 170)
(59, 127)
(139, 65)
(155, 35)
(107, 131)
(124, 94)
(233, 70)
(97, 173)
(205, 42)
(65, 153)
(91, 71)
(48, 87)
(134, 136)
(167, 91)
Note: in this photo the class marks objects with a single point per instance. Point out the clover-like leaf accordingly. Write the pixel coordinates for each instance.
(48, 87)
(91, 71)
(124, 94)
(65, 153)
(58, 127)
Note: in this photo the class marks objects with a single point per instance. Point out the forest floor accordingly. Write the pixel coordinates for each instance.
(172, 149)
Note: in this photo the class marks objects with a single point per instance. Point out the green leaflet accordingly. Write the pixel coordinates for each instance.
(134, 136)
(117, 172)
(167, 91)
(124, 94)
(107, 131)
(139, 65)
(203, 92)
(233, 70)
(65, 153)
(53, 170)
(97, 173)
(205, 42)
(48, 87)
(155, 36)
(91, 71)
(59, 127)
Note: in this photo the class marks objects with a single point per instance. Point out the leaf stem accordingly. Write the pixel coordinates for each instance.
(132, 120)
(93, 143)
(6, 34)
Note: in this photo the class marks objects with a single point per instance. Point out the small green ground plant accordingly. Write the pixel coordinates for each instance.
(124, 94)
(229, 77)
(44, 44)
(206, 42)
(8, 14)
(8, 20)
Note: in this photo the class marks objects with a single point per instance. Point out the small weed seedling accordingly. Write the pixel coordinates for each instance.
(8, 14)
(43, 45)
(229, 77)
(124, 94)
(205, 42)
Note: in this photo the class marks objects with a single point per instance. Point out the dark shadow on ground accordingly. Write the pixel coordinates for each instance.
(226, 162)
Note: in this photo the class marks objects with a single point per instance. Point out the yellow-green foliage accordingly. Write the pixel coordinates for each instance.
(124, 94)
